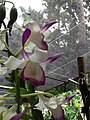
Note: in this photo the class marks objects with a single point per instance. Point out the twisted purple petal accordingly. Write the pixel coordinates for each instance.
(46, 26)
(18, 116)
(25, 55)
(68, 98)
(25, 35)
(52, 58)
(43, 45)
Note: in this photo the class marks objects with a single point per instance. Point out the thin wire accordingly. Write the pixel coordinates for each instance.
(67, 32)
(58, 74)
(68, 79)
(68, 63)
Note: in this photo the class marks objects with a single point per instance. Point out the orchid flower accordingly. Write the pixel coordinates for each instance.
(54, 105)
(37, 35)
(34, 72)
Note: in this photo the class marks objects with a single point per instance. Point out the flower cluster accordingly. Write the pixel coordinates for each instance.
(32, 66)
(31, 69)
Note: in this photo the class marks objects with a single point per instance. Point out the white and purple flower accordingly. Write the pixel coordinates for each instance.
(54, 105)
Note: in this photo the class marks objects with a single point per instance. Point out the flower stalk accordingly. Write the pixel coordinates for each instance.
(17, 80)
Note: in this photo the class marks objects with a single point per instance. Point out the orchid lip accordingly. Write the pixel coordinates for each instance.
(35, 81)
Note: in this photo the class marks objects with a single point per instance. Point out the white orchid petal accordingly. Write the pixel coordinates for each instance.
(13, 63)
(47, 34)
(3, 70)
(30, 47)
(51, 102)
(39, 55)
(40, 105)
(33, 26)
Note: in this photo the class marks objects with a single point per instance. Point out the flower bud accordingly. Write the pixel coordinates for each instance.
(2, 14)
(13, 15)
(13, 18)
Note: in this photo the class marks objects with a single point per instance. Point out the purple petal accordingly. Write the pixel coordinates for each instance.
(68, 98)
(44, 45)
(25, 35)
(18, 116)
(61, 116)
(52, 58)
(25, 55)
(46, 26)
(33, 73)
(58, 113)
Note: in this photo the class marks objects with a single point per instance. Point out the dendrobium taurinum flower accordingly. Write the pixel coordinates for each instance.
(37, 35)
(54, 105)
(34, 71)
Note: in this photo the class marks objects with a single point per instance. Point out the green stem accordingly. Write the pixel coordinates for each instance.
(37, 115)
(9, 50)
(36, 93)
(31, 90)
(19, 51)
(7, 42)
(17, 80)
(7, 98)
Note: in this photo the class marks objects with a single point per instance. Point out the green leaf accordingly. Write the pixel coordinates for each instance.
(79, 117)
(27, 117)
